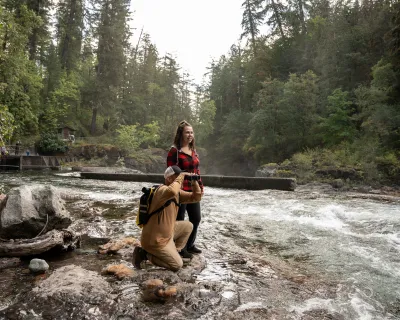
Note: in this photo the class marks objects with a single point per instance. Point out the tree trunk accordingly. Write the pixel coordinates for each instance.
(63, 239)
(32, 41)
(278, 18)
(301, 14)
(94, 119)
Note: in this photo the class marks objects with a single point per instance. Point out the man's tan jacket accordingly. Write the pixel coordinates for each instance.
(160, 228)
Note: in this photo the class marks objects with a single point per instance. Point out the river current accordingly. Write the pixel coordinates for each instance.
(309, 254)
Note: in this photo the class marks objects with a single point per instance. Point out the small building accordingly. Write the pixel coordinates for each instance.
(66, 133)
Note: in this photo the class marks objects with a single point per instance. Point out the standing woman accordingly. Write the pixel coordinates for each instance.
(183, 154)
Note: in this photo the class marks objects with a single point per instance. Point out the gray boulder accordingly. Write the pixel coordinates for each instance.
(38, 266)
(32, 210)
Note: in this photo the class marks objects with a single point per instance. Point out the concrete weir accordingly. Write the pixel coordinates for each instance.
(237, 182)
(33, 162)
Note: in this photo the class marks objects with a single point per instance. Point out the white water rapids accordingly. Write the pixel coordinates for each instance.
(308, 254)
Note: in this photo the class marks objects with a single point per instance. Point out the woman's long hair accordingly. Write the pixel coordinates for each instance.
(179, 133)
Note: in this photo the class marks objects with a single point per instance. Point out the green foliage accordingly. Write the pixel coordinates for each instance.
(285, 120)
(131, 137)
(339, 126)
(20, 81)
(205, 124)
(285, 173)
(51, 143)
(7, 126)
(263, 102)
(149, 135)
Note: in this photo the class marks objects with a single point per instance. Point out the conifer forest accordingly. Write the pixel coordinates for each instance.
(321, 84)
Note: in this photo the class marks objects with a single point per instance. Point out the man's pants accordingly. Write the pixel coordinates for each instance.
(168, 256)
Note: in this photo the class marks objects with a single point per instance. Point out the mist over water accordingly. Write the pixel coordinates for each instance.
(298, 252)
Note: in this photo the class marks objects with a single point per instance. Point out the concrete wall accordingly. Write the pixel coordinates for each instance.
(250, 183)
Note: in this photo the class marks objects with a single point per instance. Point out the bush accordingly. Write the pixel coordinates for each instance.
(51, 143)
(131, 138)
(389, 164)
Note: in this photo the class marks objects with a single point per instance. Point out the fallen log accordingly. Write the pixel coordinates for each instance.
(63, 239)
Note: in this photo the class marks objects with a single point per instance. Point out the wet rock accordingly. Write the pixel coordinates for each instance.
(160, 293)
(33, 210)
(298, 278)
(196, 265)
(152, 283)
(121, 271)
(38, 266)
(9, 262)
(338, 183)
(70, 292)
(93, 232)
(322, 315)
(114, 246)
(75, 281)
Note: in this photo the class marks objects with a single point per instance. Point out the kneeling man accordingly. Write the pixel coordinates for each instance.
(162, 236)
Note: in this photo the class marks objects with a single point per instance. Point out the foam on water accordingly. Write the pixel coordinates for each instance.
(374, 259)
(250, 305)
(356, 308)
(364, 310)
(314, 304)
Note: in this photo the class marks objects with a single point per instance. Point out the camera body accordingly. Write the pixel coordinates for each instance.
(194, 177)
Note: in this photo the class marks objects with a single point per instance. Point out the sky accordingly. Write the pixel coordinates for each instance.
(193, 31)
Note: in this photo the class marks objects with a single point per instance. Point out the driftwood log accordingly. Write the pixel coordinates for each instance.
(63, 239)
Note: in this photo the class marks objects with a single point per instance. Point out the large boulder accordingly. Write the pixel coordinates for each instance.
(70, 292)
(32, 210)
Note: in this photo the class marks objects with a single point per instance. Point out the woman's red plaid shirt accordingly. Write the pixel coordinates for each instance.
(185, 162)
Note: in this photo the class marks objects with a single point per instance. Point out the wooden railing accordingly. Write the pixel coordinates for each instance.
(14, 150)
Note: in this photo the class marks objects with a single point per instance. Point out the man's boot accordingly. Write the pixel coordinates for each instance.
(139, 255)
(194, 250)
(185, 254)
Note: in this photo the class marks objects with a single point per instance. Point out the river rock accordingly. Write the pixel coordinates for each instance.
(38, 266)
(83, 294)
(121, 271)
(161, 293)
(32, 210)
(338, 183)
(114, 246)
(152, 283)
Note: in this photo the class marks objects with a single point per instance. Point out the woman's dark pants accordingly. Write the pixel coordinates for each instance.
(193, 210)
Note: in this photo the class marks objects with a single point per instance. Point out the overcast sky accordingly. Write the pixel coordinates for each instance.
(194, 31)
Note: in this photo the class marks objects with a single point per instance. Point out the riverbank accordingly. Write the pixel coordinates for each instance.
(266, 254)
(308, 167)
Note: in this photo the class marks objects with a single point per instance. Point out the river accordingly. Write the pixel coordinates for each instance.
(309, 254)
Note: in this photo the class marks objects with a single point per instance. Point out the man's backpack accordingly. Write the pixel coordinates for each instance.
(143, 215)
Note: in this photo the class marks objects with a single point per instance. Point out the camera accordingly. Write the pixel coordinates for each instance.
(194, 177)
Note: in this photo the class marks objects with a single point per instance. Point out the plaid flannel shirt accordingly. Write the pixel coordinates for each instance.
(185, 162)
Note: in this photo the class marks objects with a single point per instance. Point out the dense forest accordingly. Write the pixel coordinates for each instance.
(322, 86)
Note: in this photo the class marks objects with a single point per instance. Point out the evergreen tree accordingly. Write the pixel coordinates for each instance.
(112, 43)
(69, 32)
